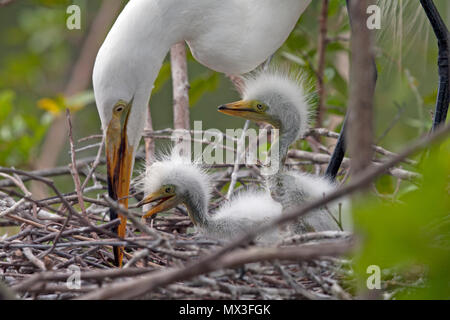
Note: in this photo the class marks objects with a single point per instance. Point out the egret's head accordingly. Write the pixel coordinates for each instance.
(273, 97)
(121, 107)
(175, 180)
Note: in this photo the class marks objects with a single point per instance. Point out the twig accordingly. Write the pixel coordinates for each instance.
(33, 259)
(321, 49)
(239, 152)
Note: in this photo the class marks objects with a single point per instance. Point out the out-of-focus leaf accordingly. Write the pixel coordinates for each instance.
(80, 100)
(430, 99)
(53, 106)
(293, 58)
(413, 234)
(6, 99)
(163, 77)
(199, 86)
(385, 184)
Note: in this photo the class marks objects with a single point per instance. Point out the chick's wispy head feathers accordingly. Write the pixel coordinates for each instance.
(285, 93)
(180, 171)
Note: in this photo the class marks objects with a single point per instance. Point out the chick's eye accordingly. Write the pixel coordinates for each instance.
(168, 190)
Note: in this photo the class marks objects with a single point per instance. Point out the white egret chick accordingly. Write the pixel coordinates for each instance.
(279, 98)
(176, 180)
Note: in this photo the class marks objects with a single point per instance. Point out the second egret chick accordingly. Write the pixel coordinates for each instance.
(279, 99)
(176, 180)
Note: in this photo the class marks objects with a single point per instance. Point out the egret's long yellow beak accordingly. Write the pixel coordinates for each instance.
(165, 203)
(119, 161)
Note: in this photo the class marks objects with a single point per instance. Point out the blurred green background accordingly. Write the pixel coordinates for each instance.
(38, 53)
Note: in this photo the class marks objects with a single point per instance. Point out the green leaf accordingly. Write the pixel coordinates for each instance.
(163, 76)
(6, 99)
(411, 235)
(205, 83)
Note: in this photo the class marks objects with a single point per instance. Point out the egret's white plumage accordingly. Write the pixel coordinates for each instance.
(230, 36)
(192, 187)
(288, 105)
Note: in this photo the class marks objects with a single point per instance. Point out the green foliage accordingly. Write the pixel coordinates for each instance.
(32, 65)
(57, 105)
(207, 82)
(413, 234)
(163, 77)
(20, 134)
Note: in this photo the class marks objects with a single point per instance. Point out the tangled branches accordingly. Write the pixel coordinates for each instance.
(66, 237)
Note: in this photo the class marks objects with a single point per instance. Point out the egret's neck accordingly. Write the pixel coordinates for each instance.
(131, 56)
(287, 136)
(196, 203)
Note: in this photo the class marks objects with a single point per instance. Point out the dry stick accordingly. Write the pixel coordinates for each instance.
(239, 152)
(73, 166)
(88, 275)
(324, 158)
(362, 88)
(77, 230)
(178, 63)
(321, 48)
(221, 258)
(58, 171)
(94, 165)
(331, 134)
(33, 259)
(299, 289)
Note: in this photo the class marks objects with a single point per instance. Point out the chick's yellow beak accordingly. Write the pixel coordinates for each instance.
(245, 109)
(241, 109)
(165, 202)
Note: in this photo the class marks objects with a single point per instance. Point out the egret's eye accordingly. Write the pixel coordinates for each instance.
(260, 106)
(119, 108)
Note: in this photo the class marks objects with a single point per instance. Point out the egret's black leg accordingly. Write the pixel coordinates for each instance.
(339, 150)
(443, 38)
(338, 154)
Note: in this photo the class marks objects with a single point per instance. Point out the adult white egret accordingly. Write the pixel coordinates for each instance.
(176, 180)
(232, 36)
(278, 98)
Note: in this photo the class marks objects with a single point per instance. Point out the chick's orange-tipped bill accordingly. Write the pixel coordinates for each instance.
(119, 161)
(165, 202)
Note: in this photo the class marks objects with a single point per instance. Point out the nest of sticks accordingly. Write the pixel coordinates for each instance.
(61, 247)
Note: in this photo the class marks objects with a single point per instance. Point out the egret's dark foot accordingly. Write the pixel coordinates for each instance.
(443, 38)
